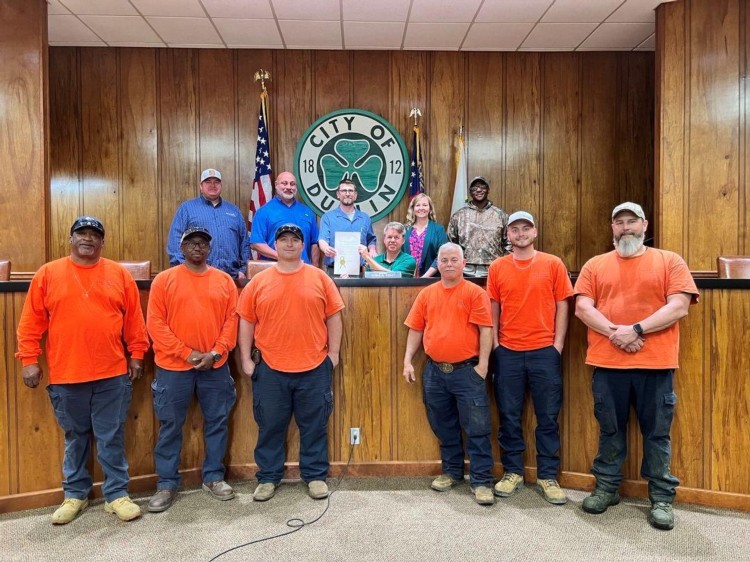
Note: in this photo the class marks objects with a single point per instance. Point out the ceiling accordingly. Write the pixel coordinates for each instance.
(446, 25)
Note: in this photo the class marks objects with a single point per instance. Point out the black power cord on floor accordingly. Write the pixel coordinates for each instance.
(295, 522)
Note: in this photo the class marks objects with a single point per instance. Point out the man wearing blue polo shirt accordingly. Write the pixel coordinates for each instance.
(345, 218)
(284, 209)
(230, 248)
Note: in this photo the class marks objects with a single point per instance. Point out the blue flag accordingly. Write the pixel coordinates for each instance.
(416, 178)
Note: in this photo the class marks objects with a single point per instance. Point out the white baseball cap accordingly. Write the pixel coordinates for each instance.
(210, 173)
(521, 216)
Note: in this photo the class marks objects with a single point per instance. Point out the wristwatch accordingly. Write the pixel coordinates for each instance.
(216, 355)
(638, 330)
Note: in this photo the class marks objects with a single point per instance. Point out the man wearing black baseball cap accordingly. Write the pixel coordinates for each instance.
(191, 320)
(85, 302)
(291, 306)
(480, 229)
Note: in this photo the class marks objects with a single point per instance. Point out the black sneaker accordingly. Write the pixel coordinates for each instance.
(661, 516)
(599, 501)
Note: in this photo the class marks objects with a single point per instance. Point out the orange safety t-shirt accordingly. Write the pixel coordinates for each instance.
(627, 291)
(289, 311)
(87, 311)
(528, 292)
(450, 318)
(191, 311)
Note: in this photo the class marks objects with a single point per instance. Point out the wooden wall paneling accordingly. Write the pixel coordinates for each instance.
(634, 130)
(364, 399)
(247, 96)
(65, 147)
(560, 149)
(371, 81)
(413, 439)
(730, 399)
(743, 208)
(688, 438)
(598, 154)
(141, 191)
(447, 89)
(714, 132)
(100, 127)
(24, 121)
(9, 372)
(40, 440)
(217, 118)
(178, 134)
(410, 81)
(579, 428)
(670, 134)
(523, 119)
(485, 121)
(141, 422)
(243, 431)
(332, 88)
(294, 103)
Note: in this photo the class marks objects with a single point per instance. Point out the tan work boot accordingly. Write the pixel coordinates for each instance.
(219, 489)
(509, 483)
(317, 489)
(552, 491)
(68, 511)
(443, 483)
(264, 492)
(483, 495)
(124, 508)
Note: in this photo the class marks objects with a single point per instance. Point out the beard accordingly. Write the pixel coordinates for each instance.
(628, 246)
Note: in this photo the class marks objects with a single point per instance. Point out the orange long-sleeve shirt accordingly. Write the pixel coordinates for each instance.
(86, 310)
(191, 311)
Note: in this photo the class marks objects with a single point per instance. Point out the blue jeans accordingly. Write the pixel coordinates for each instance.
(173, 391)
(651, 391)
(540, 371)
(276, 396)
(99, 407)
(456, 401)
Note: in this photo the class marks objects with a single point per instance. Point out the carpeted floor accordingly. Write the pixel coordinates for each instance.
(378, 519)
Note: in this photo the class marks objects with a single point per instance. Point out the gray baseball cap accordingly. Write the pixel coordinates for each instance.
(634, 208)
(521, 216)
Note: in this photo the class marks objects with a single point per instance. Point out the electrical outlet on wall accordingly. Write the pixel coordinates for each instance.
(354, 436)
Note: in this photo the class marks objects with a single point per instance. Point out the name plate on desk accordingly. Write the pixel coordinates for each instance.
(382, 274)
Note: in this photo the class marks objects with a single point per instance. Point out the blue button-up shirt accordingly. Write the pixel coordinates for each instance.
(230, 248)
(275, 213)
(337, 220)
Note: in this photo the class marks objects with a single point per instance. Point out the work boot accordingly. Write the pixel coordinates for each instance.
(264, 492)
(483, 495)
(443, 483)
(68, 511)
(509, 483)
(124, 508)
(661, 516)
(552, 491)
(219, 489)
(161, 500)
(317, 489)
(599, 501)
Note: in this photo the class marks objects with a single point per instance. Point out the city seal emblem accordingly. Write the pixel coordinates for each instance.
(360, 146)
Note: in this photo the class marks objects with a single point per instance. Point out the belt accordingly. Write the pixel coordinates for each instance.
(450, 367)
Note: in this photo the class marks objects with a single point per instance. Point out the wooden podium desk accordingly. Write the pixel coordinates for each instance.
(710, 435)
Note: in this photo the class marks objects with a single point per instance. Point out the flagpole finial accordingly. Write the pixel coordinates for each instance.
(416, 113)
(262, 75)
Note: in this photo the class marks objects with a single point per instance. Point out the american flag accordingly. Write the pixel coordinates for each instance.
(416, 179)
(262, 182)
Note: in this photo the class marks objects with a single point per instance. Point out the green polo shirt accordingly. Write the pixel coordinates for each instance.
(404, 263)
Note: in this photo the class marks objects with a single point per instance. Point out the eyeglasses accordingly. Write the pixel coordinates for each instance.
(347, 191)
(292, 183)
(197, 245)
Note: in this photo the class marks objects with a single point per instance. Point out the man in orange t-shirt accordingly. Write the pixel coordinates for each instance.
(632, 299)
(290, 323)
(192, 322)
(87, 305)
(529, 291)
(452, 317)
